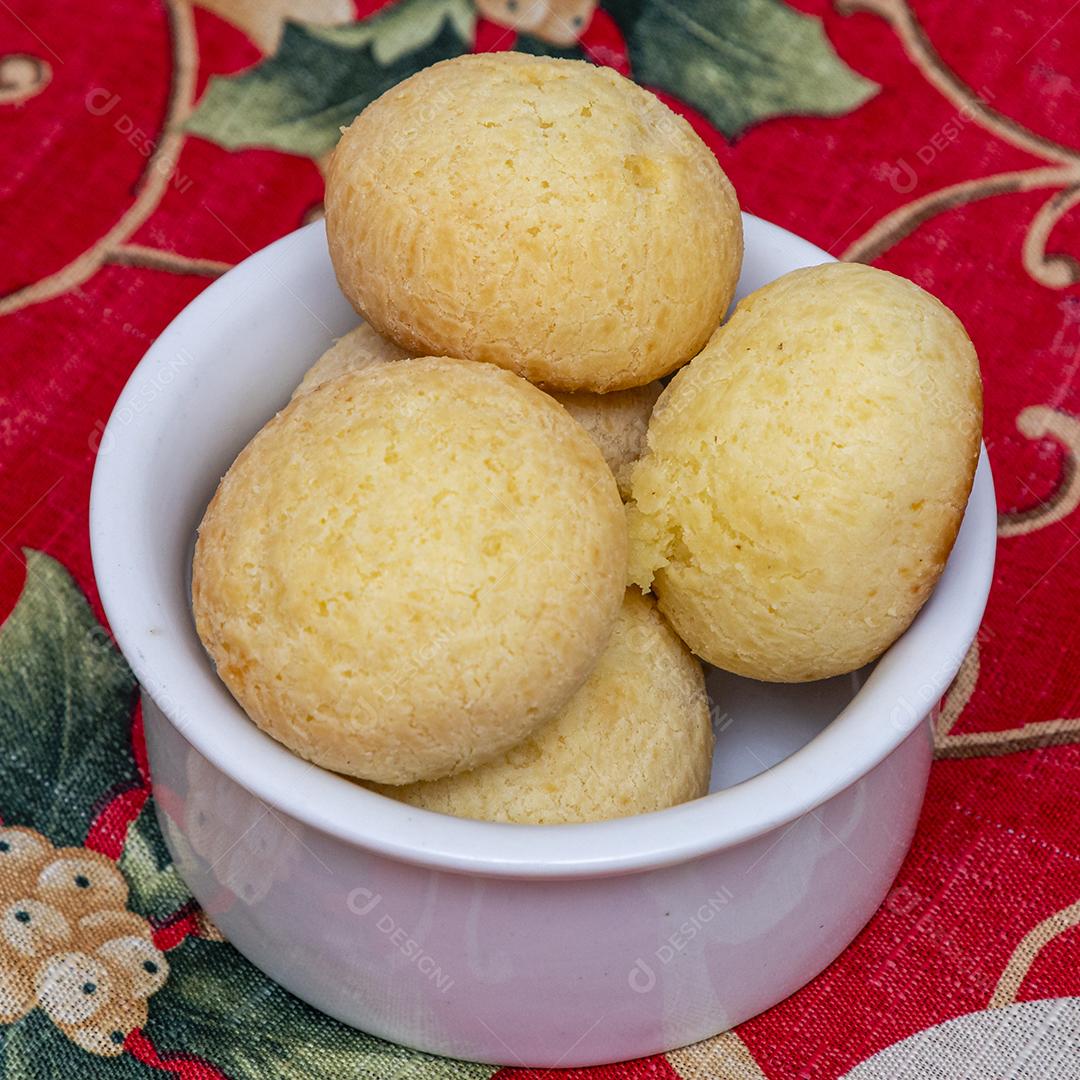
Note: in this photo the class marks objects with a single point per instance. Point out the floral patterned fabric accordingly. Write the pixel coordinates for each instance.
(151, 144)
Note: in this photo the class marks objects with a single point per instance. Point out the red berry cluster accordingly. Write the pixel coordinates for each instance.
(69, 945)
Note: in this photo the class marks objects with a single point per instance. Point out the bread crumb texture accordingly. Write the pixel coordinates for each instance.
(616, 422)
(360, 349)
(548, 216)
(807, 474)
(635, 738)
(411, 569)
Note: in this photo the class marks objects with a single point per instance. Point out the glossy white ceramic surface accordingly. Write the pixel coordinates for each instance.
(567, 945)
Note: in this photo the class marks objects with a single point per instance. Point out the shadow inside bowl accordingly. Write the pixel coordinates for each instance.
(759, 724)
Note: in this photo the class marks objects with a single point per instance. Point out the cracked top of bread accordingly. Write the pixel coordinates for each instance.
(411, 568)
(548, 216)
(807, 474)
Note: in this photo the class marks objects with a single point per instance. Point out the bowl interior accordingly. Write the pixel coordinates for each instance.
(223, 367)
(758, 724)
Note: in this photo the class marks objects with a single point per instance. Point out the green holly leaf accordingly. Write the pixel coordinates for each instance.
(219, 1006)
(66, 696)
(738, 61)
(33, 1049)
(157, 890)
(321, 76)
(65, 708)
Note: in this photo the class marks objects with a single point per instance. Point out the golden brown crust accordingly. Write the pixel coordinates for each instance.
(807, 474)
(635, 738)
(548, 216)
(411, 568)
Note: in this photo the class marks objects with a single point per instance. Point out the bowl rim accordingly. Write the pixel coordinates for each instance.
(903, 688)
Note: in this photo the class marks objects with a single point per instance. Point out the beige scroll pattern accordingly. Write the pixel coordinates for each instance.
(1060, 172)
(1034, 422)
(1044, 422)
(23, 77)
(152, 186)
(1025, 954)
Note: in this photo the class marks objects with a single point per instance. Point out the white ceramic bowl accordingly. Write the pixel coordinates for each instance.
(549, 946)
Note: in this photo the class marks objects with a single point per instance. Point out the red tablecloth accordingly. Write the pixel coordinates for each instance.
(932, 138)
